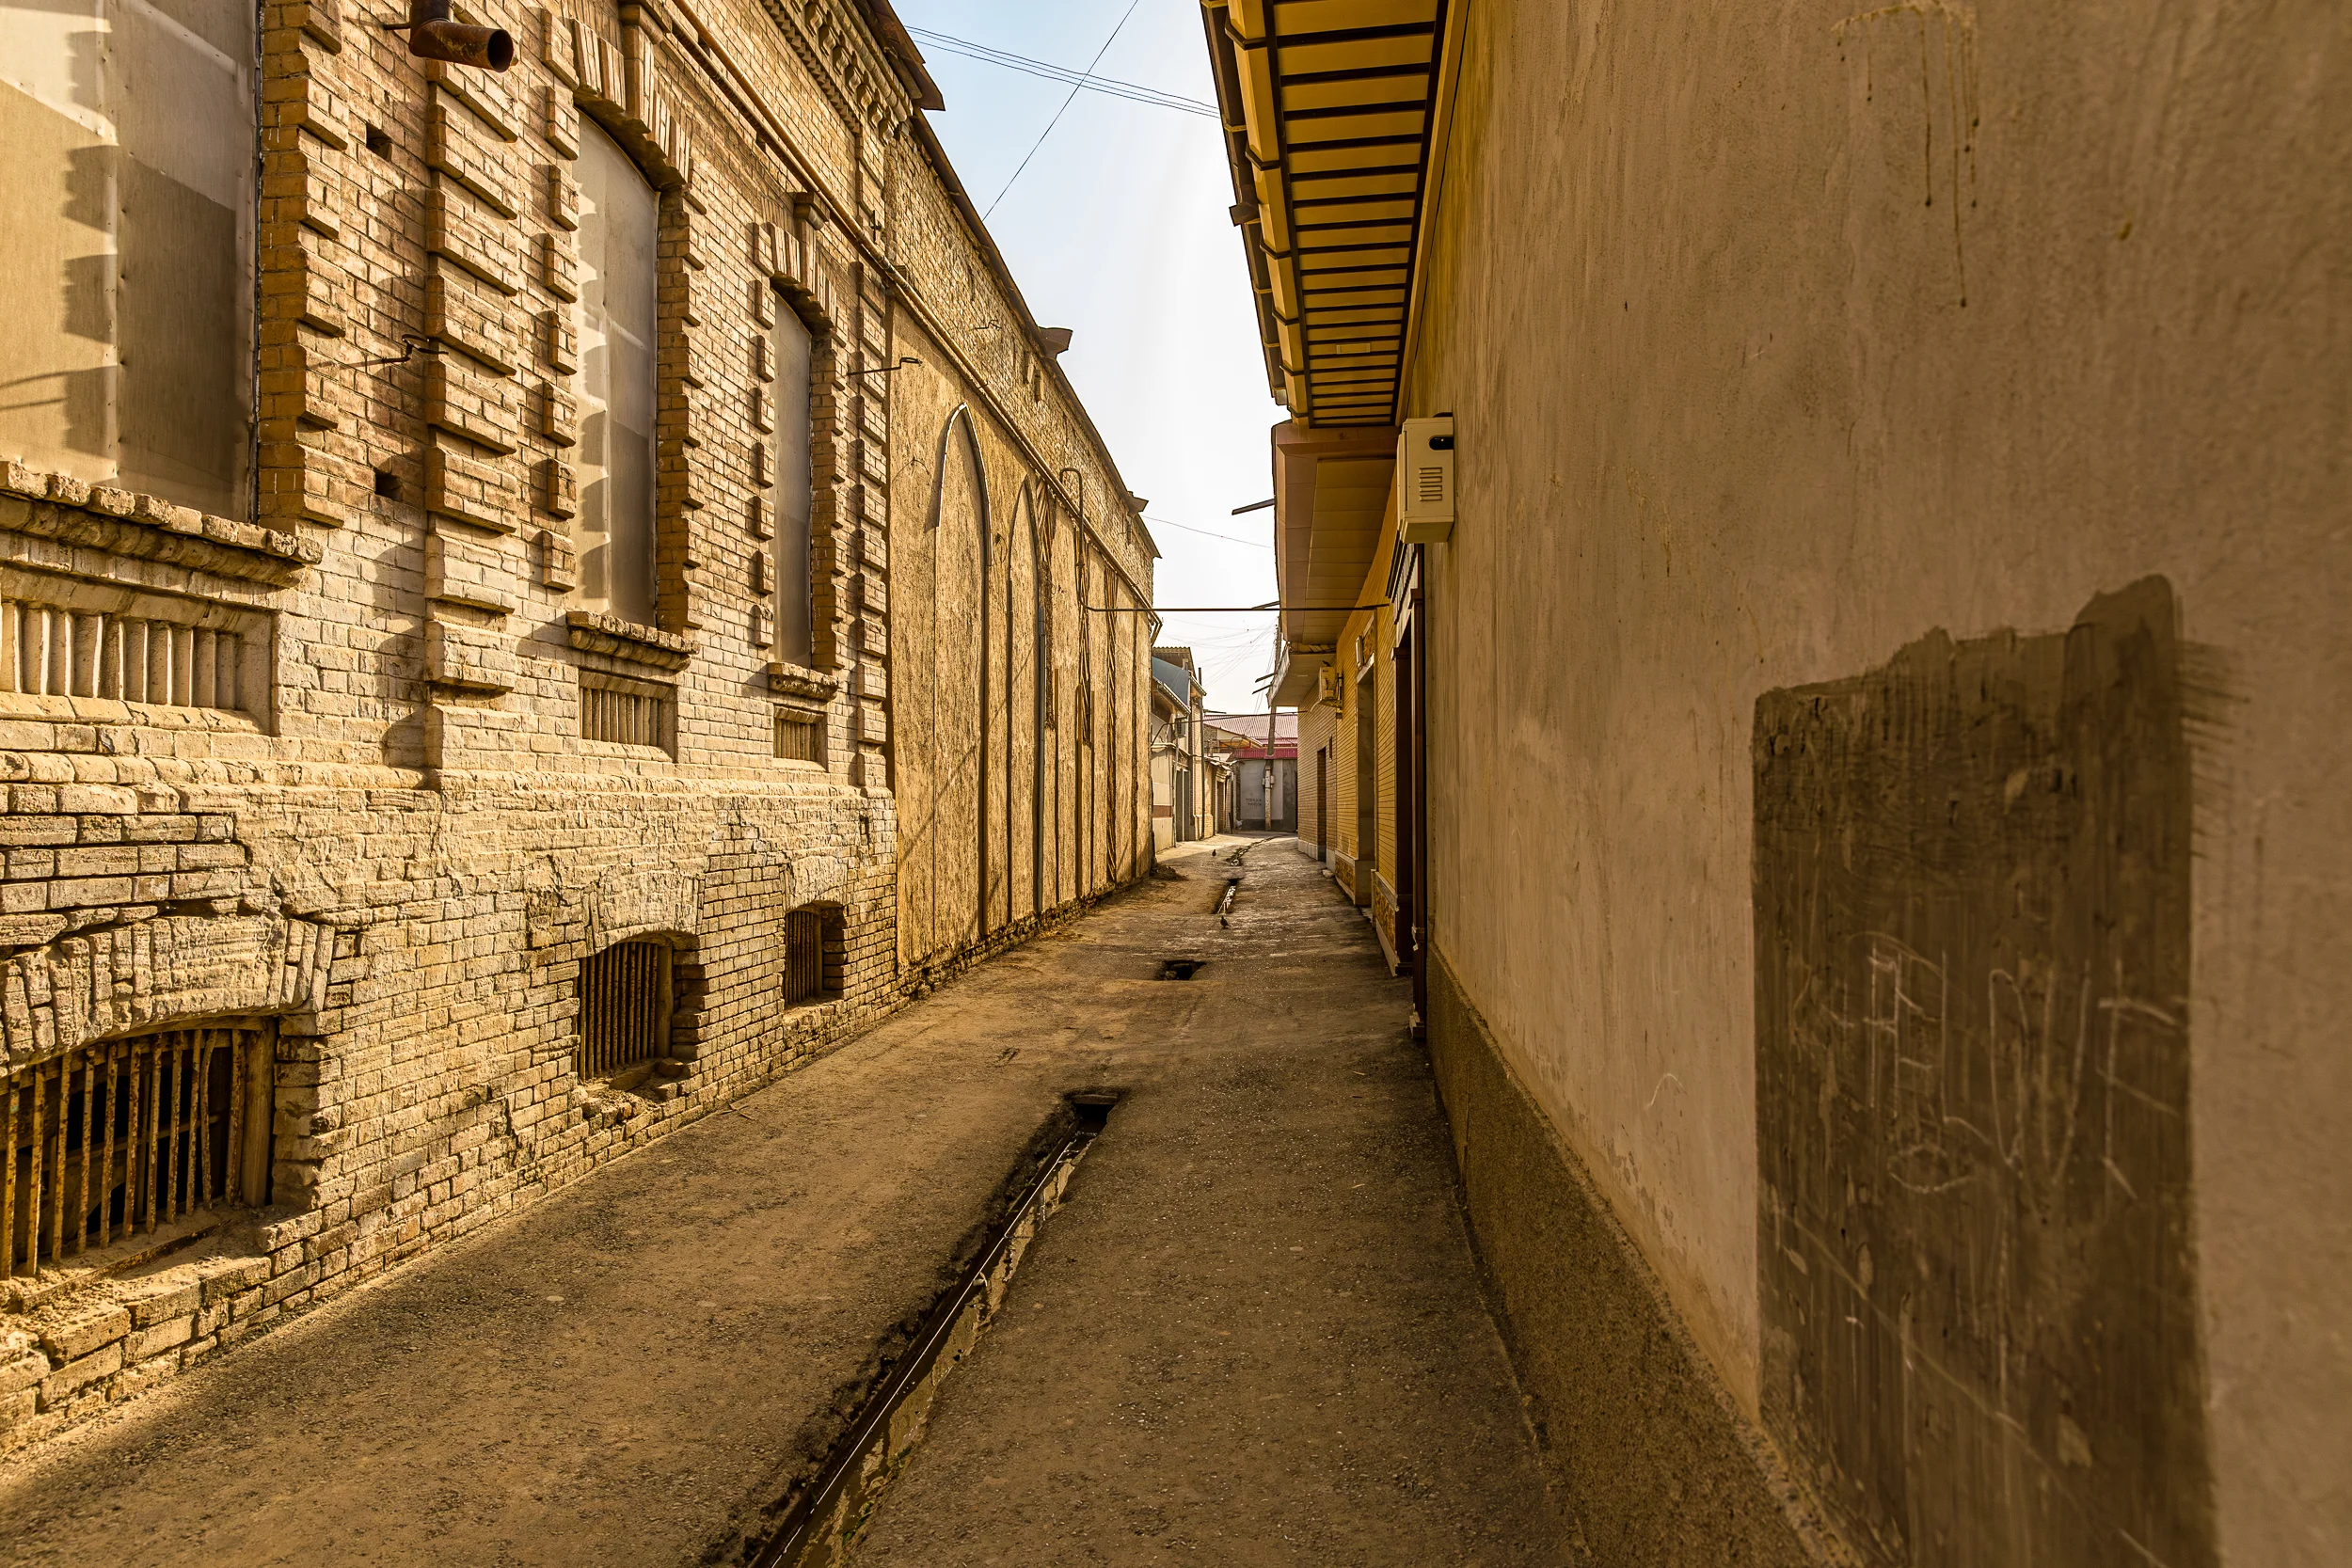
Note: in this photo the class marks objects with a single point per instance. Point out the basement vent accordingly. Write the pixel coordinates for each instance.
(116, 1139)
(798, 738)
(51, 651)
(634, 713)
(814, 958)
(623, 1007)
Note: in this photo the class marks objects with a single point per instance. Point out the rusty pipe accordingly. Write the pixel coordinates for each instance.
(432, 35)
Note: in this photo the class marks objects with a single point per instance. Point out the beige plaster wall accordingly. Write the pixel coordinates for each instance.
(1778, 337)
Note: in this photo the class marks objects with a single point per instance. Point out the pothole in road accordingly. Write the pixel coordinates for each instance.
(1179, 969)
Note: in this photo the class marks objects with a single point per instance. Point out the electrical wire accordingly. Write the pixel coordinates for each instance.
(1109, 85)
(1064, 109)
(1163, 522)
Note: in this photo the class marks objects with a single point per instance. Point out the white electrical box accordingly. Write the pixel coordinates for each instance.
(1424, 480)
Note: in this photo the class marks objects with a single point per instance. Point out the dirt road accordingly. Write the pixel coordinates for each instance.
(1251, 1334)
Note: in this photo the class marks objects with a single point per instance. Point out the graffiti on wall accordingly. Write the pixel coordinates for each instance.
(1972, 936)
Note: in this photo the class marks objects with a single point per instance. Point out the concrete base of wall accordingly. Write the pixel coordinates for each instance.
(1657, 1465)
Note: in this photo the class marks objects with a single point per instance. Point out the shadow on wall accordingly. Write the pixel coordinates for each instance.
(1978, 1278)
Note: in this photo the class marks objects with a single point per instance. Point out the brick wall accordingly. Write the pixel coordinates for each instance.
(366, 822)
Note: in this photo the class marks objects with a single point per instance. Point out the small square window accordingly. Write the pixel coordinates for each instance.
(800, 738)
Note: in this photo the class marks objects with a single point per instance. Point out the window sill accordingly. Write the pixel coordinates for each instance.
(86, 1271)
(798, 680)
(635, 1090)
(22, 707)
(809, 1009)
(623, 750)
(77, 512)
(593, 631)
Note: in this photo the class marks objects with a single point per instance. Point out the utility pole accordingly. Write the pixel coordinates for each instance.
(1269, 758)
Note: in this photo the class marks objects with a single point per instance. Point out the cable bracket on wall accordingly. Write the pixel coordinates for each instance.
(414, 345)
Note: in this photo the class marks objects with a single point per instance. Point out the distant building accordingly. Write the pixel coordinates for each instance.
(1183, 806)
(1264, 801)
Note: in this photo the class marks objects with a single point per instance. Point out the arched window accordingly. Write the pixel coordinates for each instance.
(619, 229)
(795, 360)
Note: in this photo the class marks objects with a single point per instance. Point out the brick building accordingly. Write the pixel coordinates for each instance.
(529, 604)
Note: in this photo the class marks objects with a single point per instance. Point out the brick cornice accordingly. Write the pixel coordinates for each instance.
(864, 88)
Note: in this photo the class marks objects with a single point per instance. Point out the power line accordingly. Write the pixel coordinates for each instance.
(1065, 107)
(1213, 648)
(1163, 522)
(1109, 85)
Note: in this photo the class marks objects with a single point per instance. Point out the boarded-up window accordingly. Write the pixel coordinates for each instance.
(126, 328)
(633, 713)
(795, 488)
(623, 1007)
(800, 738)
(618, 246)
(121, 1138)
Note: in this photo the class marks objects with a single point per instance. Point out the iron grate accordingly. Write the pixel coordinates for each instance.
(115, 1139)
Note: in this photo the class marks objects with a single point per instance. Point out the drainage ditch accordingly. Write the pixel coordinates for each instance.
(816, 1520)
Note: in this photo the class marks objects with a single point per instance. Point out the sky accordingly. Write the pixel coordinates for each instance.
(1117, 230)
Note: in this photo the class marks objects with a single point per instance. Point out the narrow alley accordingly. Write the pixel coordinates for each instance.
(1252, 1333)
(1670, 907)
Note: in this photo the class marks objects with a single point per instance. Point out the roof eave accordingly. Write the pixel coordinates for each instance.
(905, 58)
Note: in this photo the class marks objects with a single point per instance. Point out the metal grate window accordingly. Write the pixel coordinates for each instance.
(623, 1007)
(115, 1139)
(799, 740)
(635, 713)
(47, 651)
(812, 955)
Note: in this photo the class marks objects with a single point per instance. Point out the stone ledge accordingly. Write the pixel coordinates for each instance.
(795, 680)
(593, 631)
(75, 511)
(18, 708)
(70, 1347)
